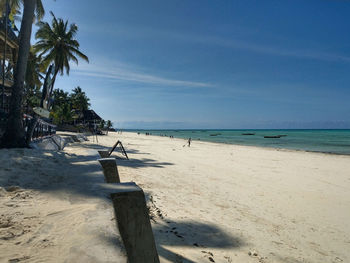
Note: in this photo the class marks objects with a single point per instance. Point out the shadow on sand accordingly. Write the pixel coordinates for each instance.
(202, 236)
(80, 177)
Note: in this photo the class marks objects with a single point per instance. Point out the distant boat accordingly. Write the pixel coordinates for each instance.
(215, 134)
(272, 137)
(248, 133)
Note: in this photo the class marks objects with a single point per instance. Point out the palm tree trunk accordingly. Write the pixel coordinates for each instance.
(53, 80)
(31, 127)
(47, 91)
(15, 135)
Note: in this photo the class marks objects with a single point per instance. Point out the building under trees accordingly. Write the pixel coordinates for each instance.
(8, 58)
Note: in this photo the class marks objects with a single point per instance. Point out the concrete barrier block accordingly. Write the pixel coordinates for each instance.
(134, 223)
(110, 170)
(44, 144)
(103, 154)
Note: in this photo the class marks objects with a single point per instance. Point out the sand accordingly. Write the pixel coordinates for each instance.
(208, 202)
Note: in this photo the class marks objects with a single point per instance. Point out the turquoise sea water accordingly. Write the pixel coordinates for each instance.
(328, 141)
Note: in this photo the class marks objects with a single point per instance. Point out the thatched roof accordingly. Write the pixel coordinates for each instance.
(91, 115)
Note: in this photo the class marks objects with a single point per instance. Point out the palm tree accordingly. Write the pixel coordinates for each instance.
(15, 6)
(62, 114)
(32, 82)
(102, 124)
(60, 98)
(33, 75)
(57, 44)
(109, 125)
(79, 100)
(14, 135)
(61, 109)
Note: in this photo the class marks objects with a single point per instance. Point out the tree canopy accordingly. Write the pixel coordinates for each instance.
(66, 105)
(15, 7)
(57, 44)
(79, 100)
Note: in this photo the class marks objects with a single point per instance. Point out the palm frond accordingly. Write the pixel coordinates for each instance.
(57, 44)
(39, 10)
(15, 7)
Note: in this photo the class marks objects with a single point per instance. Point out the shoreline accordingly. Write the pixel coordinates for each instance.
(254, 146)
(230, 203)
(277, 203)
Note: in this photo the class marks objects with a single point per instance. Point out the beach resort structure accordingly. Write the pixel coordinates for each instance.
(87, 118)
(8, 58)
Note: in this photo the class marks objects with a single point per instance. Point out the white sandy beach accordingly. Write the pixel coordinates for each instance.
(209, 202)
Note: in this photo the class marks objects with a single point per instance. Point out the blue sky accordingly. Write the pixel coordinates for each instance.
(213, 64)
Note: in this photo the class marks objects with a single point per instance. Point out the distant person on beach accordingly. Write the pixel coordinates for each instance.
(189, 142)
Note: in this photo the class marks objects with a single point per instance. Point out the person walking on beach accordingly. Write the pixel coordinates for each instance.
(189, 142)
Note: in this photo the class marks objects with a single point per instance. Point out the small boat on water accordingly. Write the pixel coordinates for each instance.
(248, 133)
(215, 134)
(273, 137)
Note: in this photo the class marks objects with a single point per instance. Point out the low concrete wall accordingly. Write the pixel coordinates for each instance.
(56, 142)
(46, 143)
(79, 137)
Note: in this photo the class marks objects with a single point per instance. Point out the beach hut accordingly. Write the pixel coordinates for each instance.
(88, 118)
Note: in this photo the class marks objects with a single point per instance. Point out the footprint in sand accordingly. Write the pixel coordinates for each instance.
(209, 255)
(176, 233)
(154, 211)
(14, 260)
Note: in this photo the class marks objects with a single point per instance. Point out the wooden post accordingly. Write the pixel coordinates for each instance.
(103, 154)
(134, 223)
(110, 170)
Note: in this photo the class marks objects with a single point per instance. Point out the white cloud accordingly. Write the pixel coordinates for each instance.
(122, 72)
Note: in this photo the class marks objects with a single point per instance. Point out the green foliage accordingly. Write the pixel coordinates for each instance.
(15, 7)
(15, 134)
(79, 100)
(109, 124)
(32, 93)
(32, 96)
(57, 44)
(102, 124)
(33, 76)
(65, 105)
(60, 98)
(62, 114)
